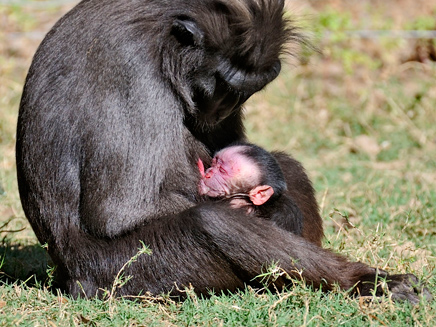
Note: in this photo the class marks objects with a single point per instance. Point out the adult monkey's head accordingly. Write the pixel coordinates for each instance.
(220, 52)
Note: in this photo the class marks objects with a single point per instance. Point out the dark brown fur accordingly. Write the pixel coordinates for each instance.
(300, 190)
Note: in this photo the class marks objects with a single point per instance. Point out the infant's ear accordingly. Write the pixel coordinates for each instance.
(260, 194)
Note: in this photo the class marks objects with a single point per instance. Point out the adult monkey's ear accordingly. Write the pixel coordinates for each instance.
(187, 32)
(260, 194)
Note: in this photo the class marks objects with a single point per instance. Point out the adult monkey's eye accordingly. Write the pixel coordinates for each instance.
(187, 32)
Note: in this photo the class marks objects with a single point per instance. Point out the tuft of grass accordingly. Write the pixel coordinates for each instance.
(359, 115)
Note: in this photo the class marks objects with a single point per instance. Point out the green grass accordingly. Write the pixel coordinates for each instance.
(360, 116)
(295, 307)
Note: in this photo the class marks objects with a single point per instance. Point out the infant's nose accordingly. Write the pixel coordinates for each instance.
(208, 173)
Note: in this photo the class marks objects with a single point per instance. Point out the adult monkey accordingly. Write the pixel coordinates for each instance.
(122, 98)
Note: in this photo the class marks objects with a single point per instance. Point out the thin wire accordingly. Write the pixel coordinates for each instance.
(375, 34)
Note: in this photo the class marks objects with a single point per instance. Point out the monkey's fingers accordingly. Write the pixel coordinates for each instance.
(408, 287)
(200, 166)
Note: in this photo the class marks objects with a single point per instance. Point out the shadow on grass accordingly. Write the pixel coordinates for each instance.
(24, 264)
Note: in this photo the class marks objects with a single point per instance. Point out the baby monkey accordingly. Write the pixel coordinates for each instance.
(249, 177)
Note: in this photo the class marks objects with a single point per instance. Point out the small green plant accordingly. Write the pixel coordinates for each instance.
(120, 279)
(422, 23)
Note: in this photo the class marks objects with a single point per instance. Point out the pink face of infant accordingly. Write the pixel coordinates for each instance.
(232, 174)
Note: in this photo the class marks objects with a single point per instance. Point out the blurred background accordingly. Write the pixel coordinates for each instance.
(359, 113)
